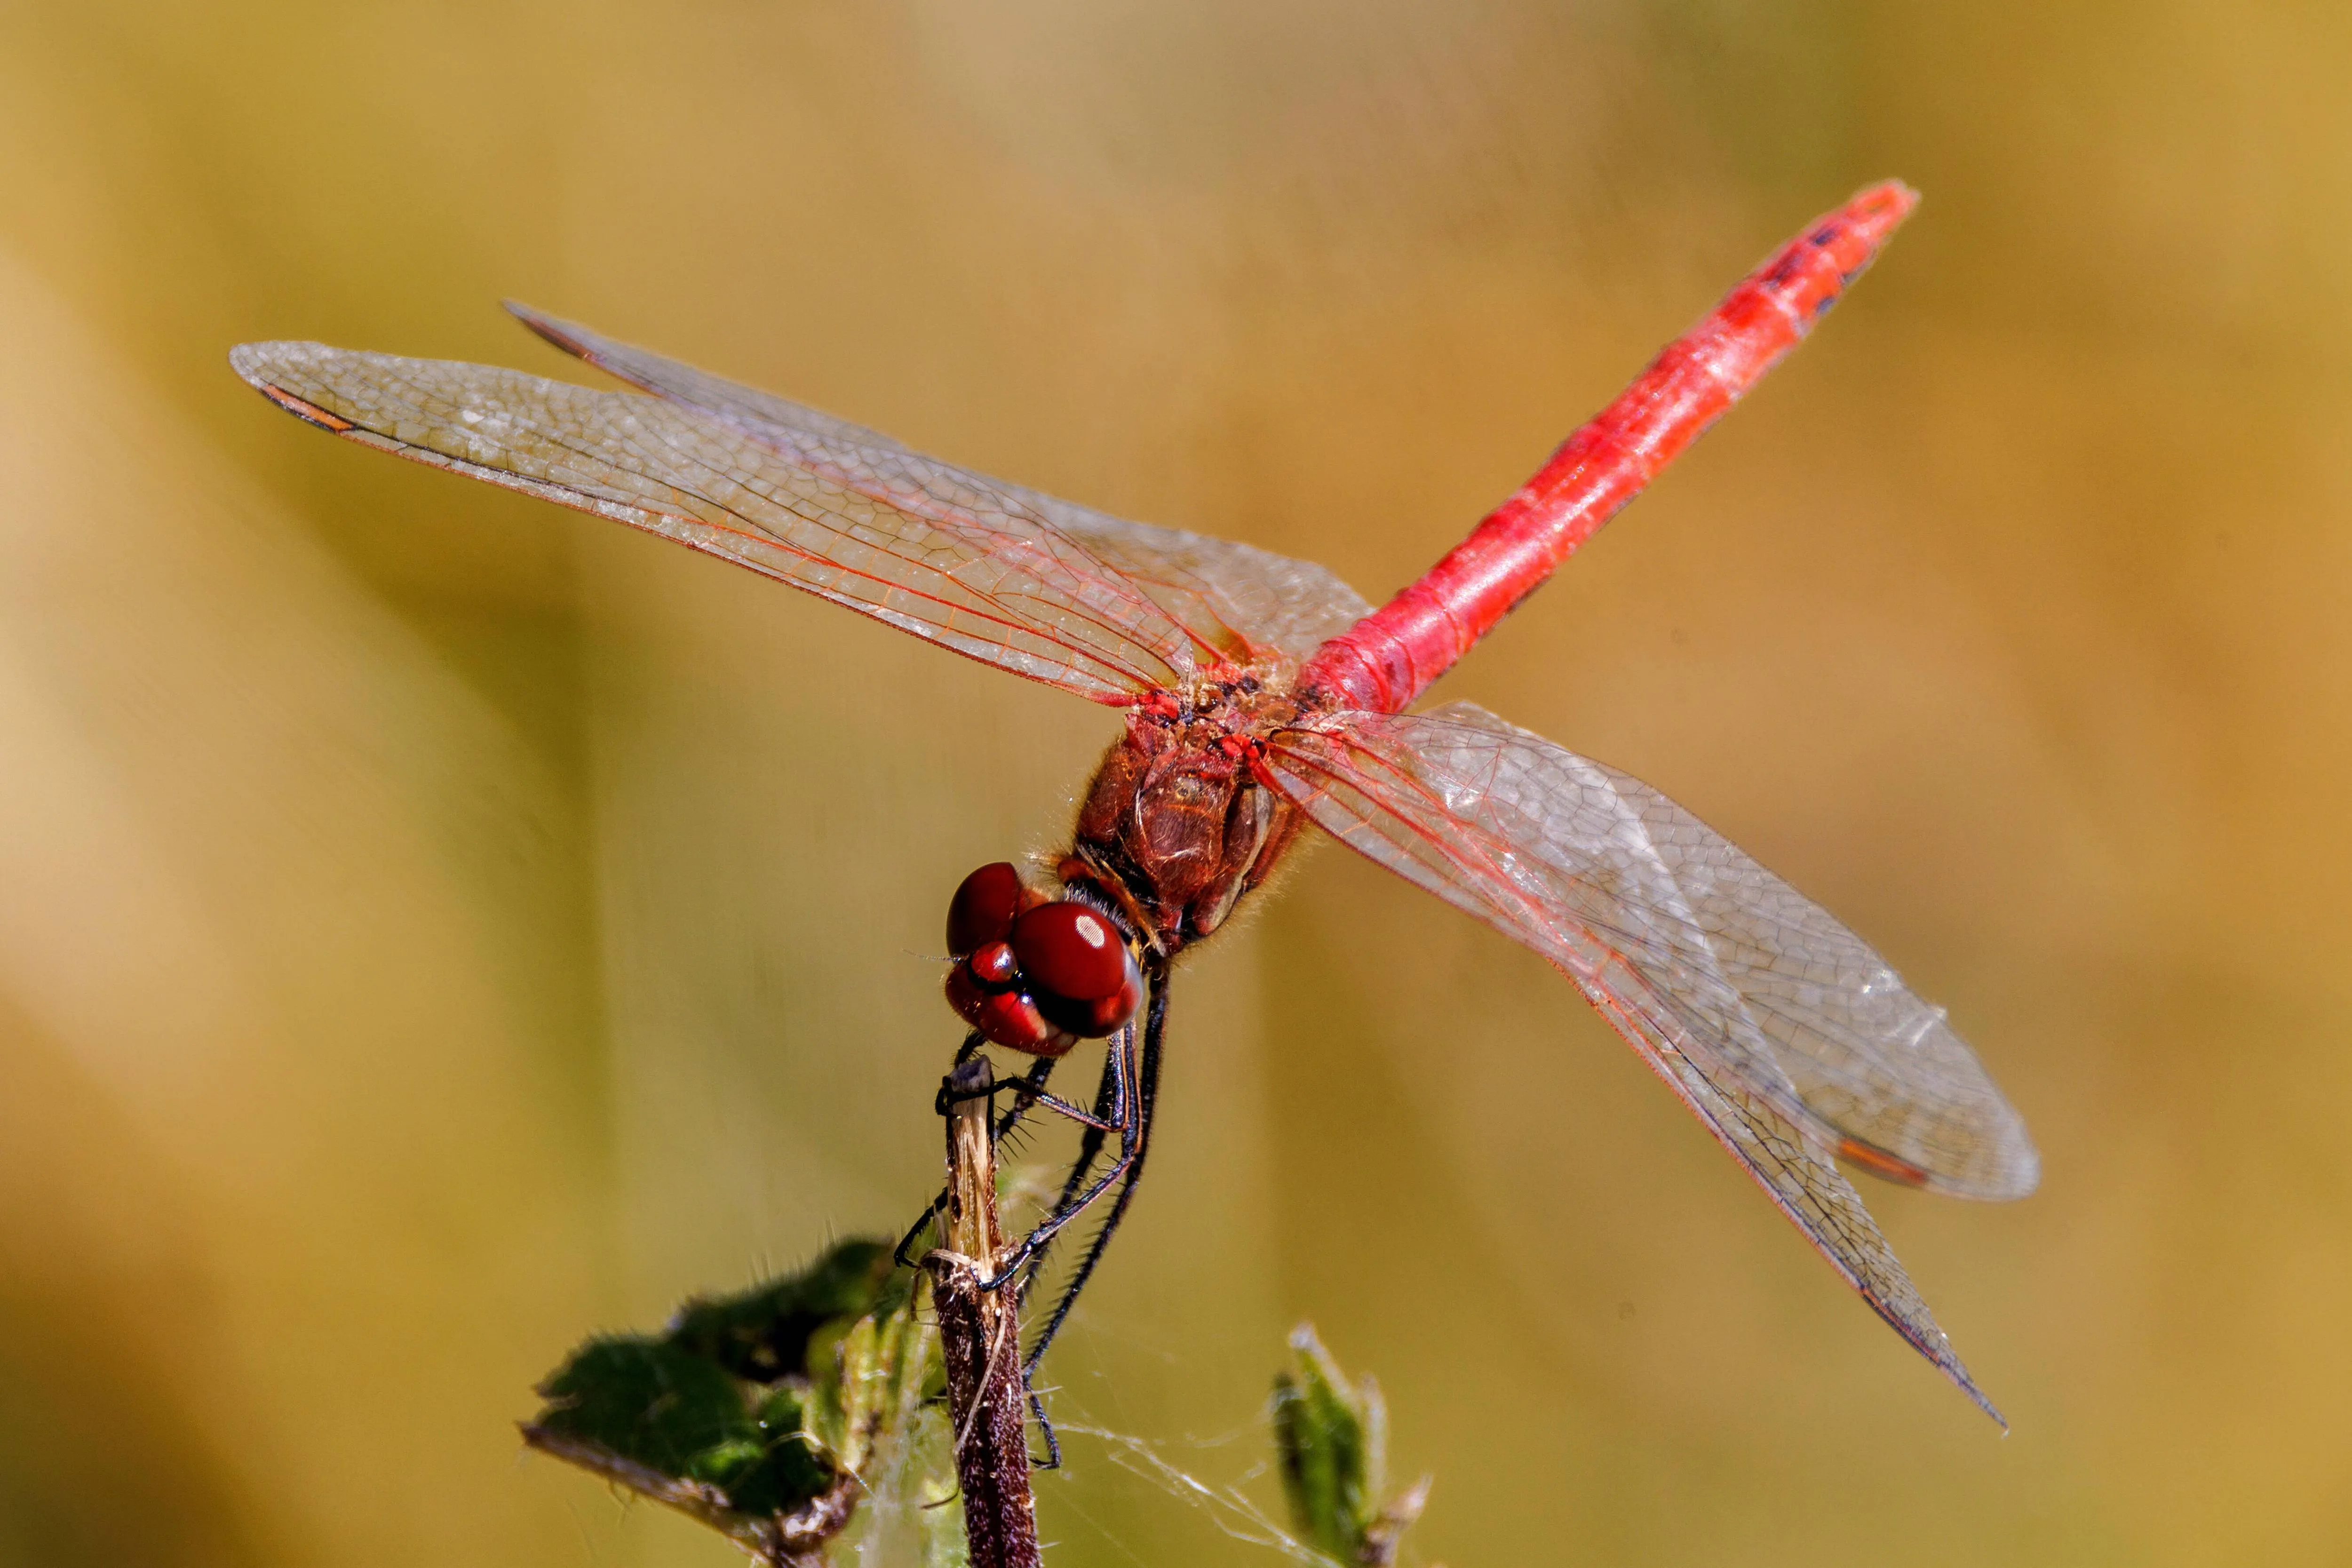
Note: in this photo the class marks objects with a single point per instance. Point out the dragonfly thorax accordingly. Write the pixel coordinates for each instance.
(1176, 829)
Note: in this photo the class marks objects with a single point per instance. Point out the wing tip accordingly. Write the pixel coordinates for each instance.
(1925, 1336)
(562, 334)
(1950, 1366)
(253, 361)
(2018, 1173)
(256, 363)
(2024, 1178)
(1931, 1341)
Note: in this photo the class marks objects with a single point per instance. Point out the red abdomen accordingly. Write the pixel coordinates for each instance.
(1390, 657)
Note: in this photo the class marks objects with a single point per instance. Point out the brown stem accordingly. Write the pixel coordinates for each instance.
(980, 1339)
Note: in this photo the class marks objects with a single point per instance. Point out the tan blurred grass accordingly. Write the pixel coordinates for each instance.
(433, 927)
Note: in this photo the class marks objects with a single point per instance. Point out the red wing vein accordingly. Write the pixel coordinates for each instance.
(885, 533)
(1787, 1036)
(1014, 554)
(1235, 601)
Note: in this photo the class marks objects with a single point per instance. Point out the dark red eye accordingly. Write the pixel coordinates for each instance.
(1112, 1011)
(1103, 1015)
(964, 995)
(991, 965)
(1071, 951)
(983, 907)
(1012, 1020)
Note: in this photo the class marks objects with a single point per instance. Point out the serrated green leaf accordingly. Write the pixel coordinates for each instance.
(750, 1406)
(647, 1400)
(763, 1333)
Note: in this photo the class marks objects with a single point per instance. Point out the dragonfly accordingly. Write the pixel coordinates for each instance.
(1263, 698)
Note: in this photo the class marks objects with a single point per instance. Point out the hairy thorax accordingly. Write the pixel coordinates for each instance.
(1175, 827)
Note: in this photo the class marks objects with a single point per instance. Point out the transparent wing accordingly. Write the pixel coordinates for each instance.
(754, 413)
(1590, 862)
(1234, 599)
(921, 545)
(1783, 1032)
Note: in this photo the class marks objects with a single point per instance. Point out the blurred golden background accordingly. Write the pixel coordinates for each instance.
(434, 925)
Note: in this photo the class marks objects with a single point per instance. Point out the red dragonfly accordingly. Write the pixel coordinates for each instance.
(1262, 694)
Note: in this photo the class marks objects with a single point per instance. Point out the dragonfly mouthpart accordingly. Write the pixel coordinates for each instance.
(1033, 974)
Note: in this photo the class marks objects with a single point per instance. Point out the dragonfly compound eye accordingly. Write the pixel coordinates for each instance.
(1103, 1015)
(1074, 963)
(983, 907)
(1069, 950)
(1005, 1017)
(992, 966)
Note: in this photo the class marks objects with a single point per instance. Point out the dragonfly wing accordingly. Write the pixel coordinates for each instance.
(1789, 1038)
(1594, 868)
(1239, 599)
(1236, 599)
(919, 545)
(756, 414)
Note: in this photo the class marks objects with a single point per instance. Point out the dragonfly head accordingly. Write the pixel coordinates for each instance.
(1034, 973)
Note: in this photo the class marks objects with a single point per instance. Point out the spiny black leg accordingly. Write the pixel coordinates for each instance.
(1053, 1459)
(1147, 1097)
(1089, 1150)
(1025, 1090)
(1122, 1120)
(947, 1099)
(899, 1255)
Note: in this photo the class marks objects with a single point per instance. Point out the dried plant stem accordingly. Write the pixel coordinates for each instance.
(979, 1338)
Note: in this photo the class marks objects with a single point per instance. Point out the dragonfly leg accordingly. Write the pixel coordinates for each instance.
(1123, 1104)
(1132, 1153)
(1029, 1097)
(1089, 1151)
(1053, 1459)
(1121, 1121)
(1132, 1148)
(1027, 1090)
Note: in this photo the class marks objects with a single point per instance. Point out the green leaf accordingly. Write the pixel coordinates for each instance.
(649, 1401)
(766, 1414)
(763, 1333)
(1332, 1437)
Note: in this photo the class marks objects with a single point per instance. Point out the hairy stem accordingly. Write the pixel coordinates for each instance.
(980, 1339)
